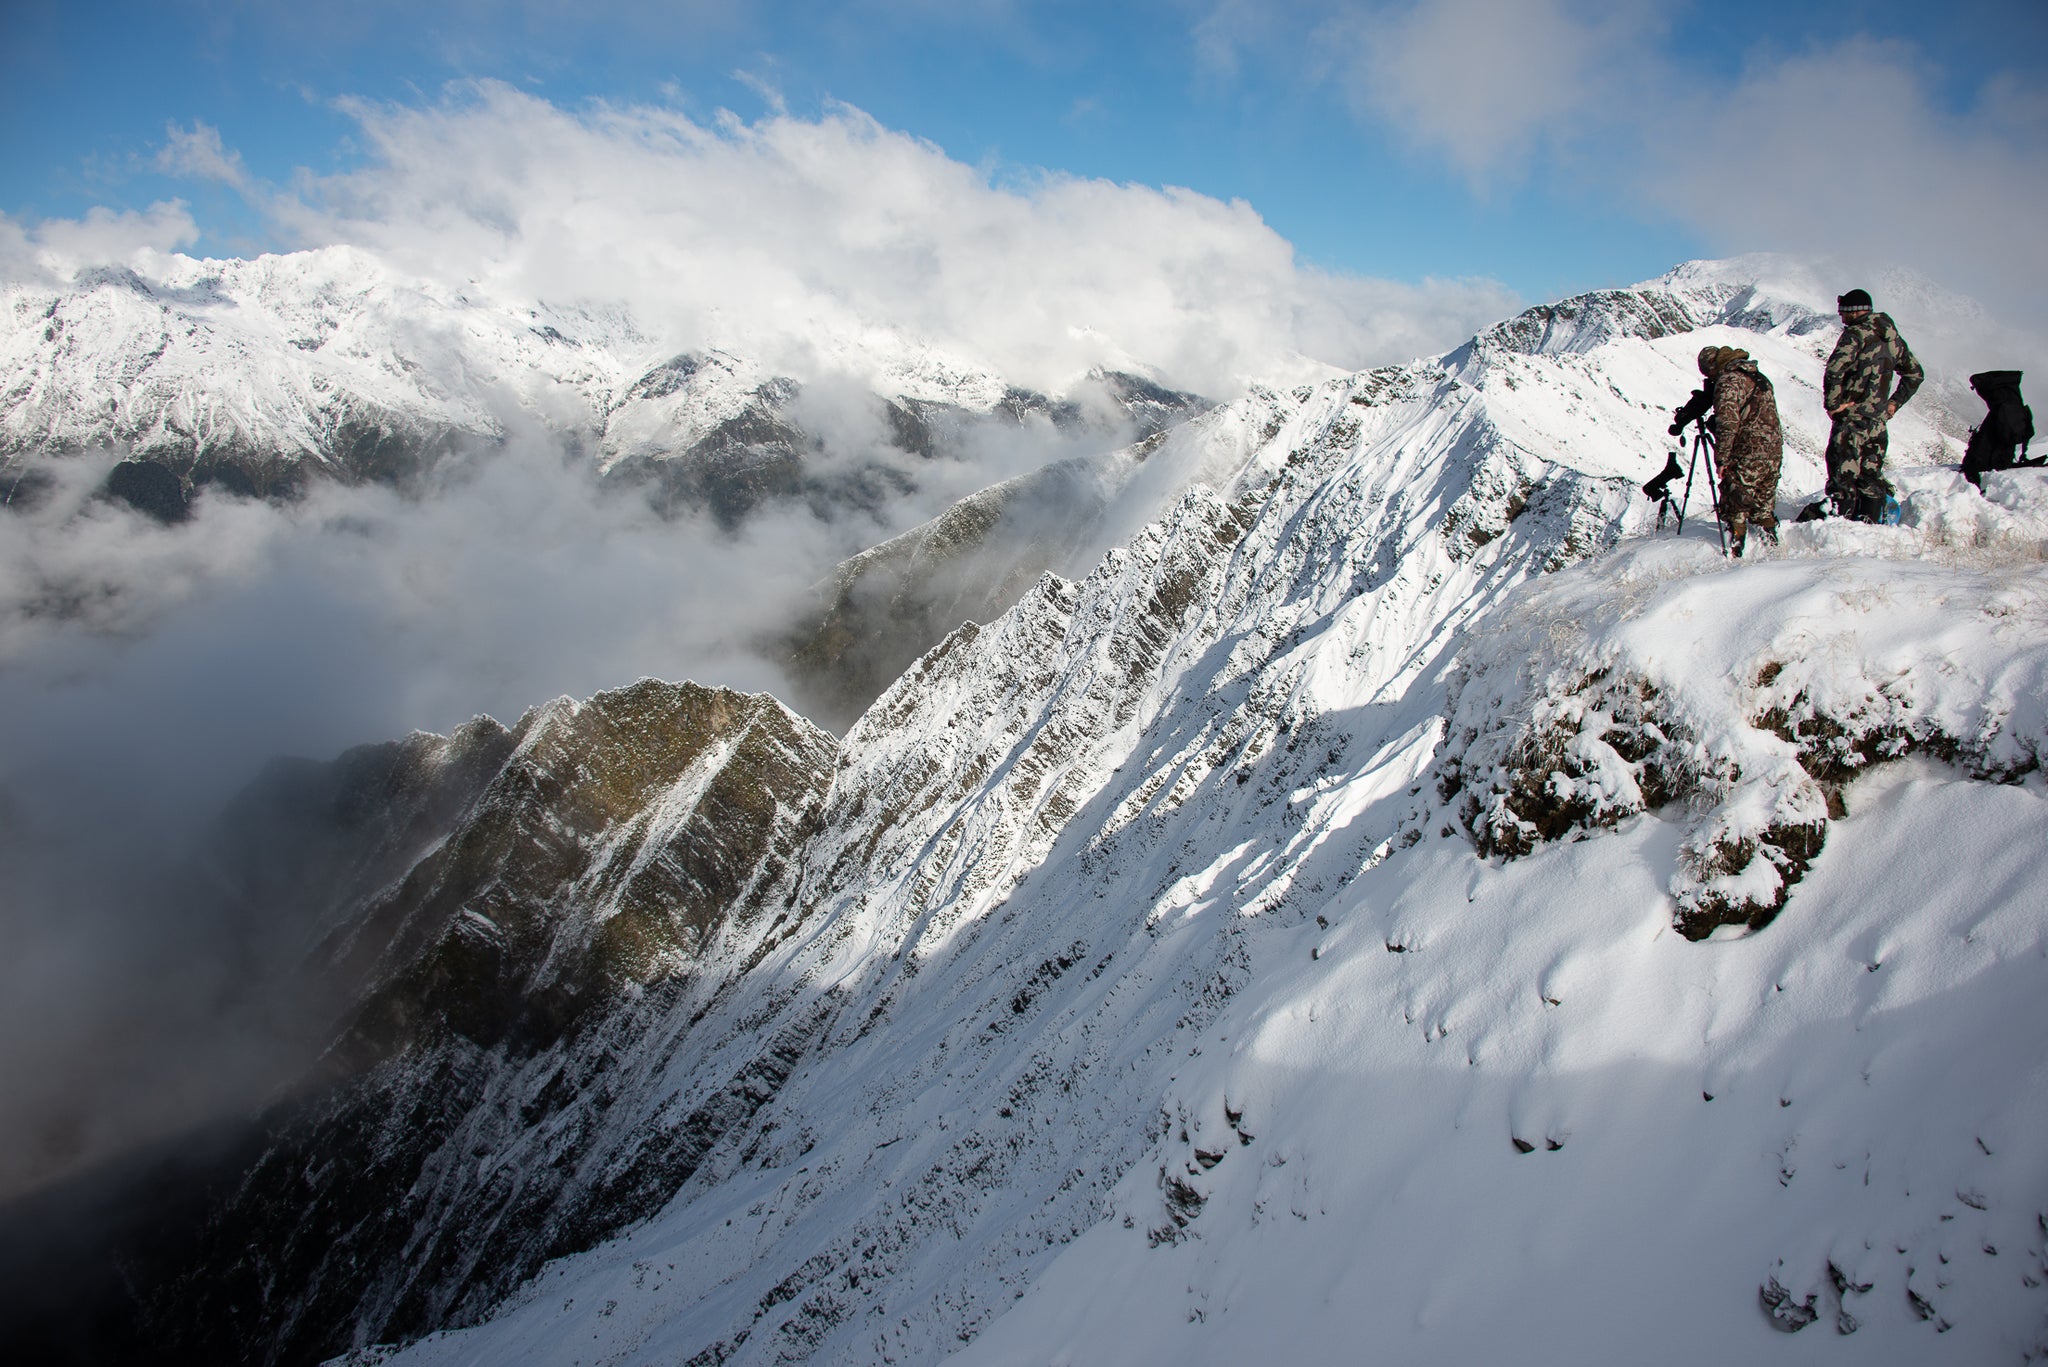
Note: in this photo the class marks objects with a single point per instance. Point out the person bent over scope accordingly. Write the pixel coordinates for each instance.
(1748, 442)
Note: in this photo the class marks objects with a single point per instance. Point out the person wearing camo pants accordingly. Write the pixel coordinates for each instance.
(1860, 398)
(1749, 443)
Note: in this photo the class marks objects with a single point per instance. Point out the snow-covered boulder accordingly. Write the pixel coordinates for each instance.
(1751, 692)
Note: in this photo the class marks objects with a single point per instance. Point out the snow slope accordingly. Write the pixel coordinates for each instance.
(1159, 1005)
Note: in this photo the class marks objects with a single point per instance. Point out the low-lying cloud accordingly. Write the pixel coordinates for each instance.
(148, 672)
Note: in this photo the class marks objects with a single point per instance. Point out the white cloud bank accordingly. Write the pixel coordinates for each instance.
(58, 248)
(1847, 149)
(772, 235)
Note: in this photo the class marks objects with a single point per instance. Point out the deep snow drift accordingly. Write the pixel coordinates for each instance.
(1159, 1003)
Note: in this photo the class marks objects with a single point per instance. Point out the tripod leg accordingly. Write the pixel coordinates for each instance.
(1713, 488)
(1685, 500)
(1702, 443)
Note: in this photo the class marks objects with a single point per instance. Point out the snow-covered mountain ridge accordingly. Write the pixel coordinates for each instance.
(890, 603)
(1163, 972)
(255, 375)
(1172, 999)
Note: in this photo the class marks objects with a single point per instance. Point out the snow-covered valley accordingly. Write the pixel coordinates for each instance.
(1399, 906)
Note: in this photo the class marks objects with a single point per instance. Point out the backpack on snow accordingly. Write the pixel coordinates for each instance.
(2007, 428)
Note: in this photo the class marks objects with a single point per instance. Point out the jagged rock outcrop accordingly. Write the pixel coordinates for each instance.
(511, 912)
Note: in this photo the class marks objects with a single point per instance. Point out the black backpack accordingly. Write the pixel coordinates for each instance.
(2000, 441)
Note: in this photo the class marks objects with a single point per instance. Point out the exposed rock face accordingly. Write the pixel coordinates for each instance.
(617, 835)
(520, 908)
(151, 488)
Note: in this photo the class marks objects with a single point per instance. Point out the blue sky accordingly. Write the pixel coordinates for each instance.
(1586, 152)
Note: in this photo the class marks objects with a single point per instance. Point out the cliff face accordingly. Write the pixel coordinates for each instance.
(507, 912)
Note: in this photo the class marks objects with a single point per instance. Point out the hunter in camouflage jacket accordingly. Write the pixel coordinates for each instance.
(1860, 398)
(1749, 444)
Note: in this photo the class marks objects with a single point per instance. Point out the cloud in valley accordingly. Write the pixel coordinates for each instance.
(148, 672)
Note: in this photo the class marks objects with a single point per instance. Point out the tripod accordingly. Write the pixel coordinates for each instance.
(1702, 445)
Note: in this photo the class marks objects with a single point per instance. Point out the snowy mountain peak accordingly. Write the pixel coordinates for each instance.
(255, 375)
(1694, 296)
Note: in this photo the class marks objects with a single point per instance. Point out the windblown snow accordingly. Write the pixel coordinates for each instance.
(1402, 906)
